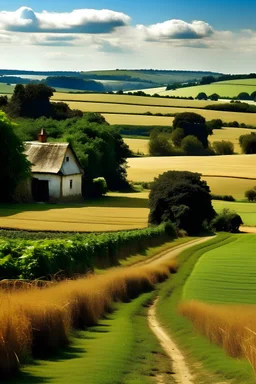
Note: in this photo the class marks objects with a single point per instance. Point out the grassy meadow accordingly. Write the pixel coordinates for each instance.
(230, 88)
(122, 119)
(209, 363)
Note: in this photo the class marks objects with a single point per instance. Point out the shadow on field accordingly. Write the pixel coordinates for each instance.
(106, 201)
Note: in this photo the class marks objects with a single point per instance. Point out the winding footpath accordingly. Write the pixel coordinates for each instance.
(181, 371)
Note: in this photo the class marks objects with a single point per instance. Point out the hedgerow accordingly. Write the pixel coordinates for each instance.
(33, 259)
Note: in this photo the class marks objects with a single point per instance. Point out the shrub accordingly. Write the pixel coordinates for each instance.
(201, 96)
(227, 221)
(99, 187)
(214, 124)
(223, 197)
(192, 124)
(192, 146)
(223, 147)
(177, 136)
(160, 144)
(248, 143)
(251, 194)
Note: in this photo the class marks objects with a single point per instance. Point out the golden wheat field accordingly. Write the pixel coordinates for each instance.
(122, 119)
(78, 219)
(230, 134)
(247, 118)
(127, 99)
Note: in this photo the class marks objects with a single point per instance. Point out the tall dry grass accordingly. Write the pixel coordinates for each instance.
(35, 321)
(232, 327)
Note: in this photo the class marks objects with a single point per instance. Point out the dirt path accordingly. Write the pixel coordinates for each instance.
(182, 374)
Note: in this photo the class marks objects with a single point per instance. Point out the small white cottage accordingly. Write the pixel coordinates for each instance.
(56, 171)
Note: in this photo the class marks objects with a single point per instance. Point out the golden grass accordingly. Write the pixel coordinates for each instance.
(137, 119)
(137, 145)
(35, 322)
(78, 219)
(232, 327)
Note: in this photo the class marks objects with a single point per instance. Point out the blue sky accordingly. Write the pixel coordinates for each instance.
(133, 34)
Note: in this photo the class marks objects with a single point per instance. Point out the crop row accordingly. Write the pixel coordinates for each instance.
(28, 259)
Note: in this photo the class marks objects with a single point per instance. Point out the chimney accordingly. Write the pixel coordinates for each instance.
(42, 136)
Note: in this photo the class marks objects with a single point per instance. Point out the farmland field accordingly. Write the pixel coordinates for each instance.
(6, 89)
(230, 134)
(229, 88)
(247, 118)
(123, 119)
(225, 274)
(246, 210)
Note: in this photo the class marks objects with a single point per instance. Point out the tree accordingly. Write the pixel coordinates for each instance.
(244, 96)
(223, 147)
(214, 97)
(207, 80)
(214, 124)
(192, 124)
(183, 198)
(177, 136)
(191, 146)
(159, 144)
(250, 194)
(227, 221)
(248, 143)
(202, 96)
(15, 167)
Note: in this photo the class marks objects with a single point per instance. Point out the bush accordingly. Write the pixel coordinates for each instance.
(223, 197)
(160, 144)
(223, 147)
(227, 221)
(181, 197)
(192, 124)
(99, 187)
(214, 124)
(248, 143)
(201, 96)
(191, 146)
(251, 194)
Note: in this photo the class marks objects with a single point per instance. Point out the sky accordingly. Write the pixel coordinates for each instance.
(215, 35)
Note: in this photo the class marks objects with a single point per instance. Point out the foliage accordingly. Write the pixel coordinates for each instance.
(160, 144)
(33, 100)
(74, 83)
(223, 147)
(248, 143)
(233, 107)
(250, 194)
(214, 124)
(177, 136)
(99, 187)
(181, 197)
(223, 197)
(191, 146)
(192, 124)
(28, 259)
(214, 97)
(227, 221)
(201, 96)
(15, 167)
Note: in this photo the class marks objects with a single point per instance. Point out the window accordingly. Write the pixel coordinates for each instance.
(71, 184)
(67, 159)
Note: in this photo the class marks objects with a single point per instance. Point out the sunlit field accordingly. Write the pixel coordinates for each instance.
(123, 119)
(229, 88)
(226, 276)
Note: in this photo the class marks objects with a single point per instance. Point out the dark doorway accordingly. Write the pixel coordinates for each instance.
(40, 190)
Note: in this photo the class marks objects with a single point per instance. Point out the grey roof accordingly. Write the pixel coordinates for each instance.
(46, 157)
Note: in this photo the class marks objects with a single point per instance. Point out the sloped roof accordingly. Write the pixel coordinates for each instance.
(45, 157)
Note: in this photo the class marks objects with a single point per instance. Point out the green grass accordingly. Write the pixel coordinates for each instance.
(230, 88)
(225, 274)
(6, 89)
(120, 350)
(208, 361)
(247, 211)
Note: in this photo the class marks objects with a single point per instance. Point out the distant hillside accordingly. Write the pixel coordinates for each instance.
(151, 76)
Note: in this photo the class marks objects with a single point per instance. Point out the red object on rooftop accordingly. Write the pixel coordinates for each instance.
(42, 136)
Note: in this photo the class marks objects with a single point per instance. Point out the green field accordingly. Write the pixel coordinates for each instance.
(6, 89)
(225, 274)
(230, 88)
(247, 211)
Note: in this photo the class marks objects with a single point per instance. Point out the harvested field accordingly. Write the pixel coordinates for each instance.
(137, 145)
(80, 218)
(123, 119)
(127, 99)
(246, 118)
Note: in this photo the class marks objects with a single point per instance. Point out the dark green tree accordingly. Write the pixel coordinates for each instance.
(183, 198)
(202, 96)
(192, 124)
(191, 146)
(223, 147)
(15, 167)
(248, 143)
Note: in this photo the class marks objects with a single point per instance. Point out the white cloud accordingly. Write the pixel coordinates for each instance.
(176, 29)
(78, 21)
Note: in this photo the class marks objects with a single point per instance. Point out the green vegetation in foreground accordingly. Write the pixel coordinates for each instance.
(247, 211)
(120, 350)
(225, 274)
(230, 88)
(216, 366)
